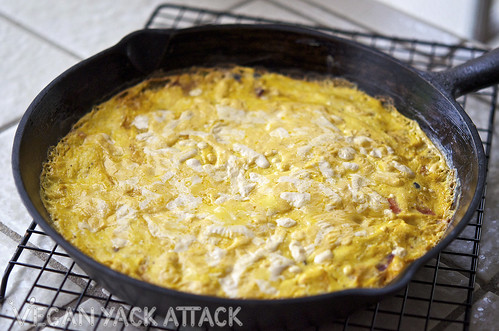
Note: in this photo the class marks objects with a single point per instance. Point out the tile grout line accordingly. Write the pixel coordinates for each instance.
(10, 124)
(489, 286)
(294, 11)
(16, 237)
(39, 36)
(237, 5)
(343, 17)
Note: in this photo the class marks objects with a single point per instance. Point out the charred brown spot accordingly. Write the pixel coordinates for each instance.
(155, 84)
(259, 91)
(382, 266)
(126, 123)
(122, 95)
(81, 134)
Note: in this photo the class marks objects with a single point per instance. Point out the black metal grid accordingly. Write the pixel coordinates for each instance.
(439, 297)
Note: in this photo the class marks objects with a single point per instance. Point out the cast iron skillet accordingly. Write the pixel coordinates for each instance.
(426, 97)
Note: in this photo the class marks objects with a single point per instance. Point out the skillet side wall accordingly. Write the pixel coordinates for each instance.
(72, 94)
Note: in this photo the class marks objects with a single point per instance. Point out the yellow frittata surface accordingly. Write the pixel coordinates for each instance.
(243, 183)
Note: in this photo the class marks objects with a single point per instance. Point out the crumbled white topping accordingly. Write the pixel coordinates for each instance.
(303, 151)
(300, 184)
(278, 264)
(265, 287)
(362, 141)
(201, 134)
(325, 139)
(230, 114)
(323, 257)
(195, 165)
(326, 170)
(195, 179)
(399, 251)
(257, 117)
(358, 182)
(214, 257)
(301, 131)
(259, 159)
(279, 133)
(297, 251)
(222, 197)
(101, 206)
(225, 135)
(195, 92)
(229, 230)
(351, 166)
(273, 242)
(239, 183)
(186, 115)
(149, 196)
(286, 222)
(202, 145)
(376, 201)
(243, 186)
(361, 233)
(296, 199)
(183, 242)
(154, 228)
(162, 115)
(346, 153)
(141, 122)
(324, 123)
(377, 153)
(186, 155)
(230, 282)
(119, 242)
(167, 176)
(402, 168)
(186, 200)
(125, 212)
(166, 150)
(257, 178)
(144, 136)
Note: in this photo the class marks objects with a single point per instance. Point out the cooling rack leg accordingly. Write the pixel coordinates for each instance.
(10, 266)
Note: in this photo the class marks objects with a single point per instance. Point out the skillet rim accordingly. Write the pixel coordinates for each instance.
(395, 285)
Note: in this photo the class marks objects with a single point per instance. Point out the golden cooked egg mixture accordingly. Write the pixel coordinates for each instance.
(243, 183)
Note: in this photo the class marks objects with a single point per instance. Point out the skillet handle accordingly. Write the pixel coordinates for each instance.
(471, 75)
(146, 49)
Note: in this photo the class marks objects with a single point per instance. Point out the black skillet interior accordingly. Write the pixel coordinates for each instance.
(283, 48)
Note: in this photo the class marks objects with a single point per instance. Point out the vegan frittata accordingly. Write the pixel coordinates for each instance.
(244, 183)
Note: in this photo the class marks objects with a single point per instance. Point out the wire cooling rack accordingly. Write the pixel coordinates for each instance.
(56, 294)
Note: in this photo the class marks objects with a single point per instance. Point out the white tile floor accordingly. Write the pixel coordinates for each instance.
(40, 39)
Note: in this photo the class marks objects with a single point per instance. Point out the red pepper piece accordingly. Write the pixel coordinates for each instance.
(394, 205)
(425, 210)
